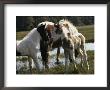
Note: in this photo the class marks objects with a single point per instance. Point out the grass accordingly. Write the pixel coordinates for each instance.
(60, 68)
(21, 34)
(87, 31)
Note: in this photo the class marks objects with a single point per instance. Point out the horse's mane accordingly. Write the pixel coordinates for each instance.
(69, 25)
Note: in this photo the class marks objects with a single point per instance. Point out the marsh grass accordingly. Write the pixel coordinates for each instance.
(59, 69)
(88, 32)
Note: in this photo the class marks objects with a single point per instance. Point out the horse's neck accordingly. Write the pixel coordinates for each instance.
(73, 29)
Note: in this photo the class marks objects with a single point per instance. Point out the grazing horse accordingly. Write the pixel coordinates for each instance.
(37, 39)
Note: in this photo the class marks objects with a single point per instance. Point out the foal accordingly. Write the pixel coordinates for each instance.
(77, 40)
(79, 45)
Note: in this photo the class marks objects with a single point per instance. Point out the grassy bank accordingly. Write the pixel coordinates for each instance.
(87, 31)
(60, 68)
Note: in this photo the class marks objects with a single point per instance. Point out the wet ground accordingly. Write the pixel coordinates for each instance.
(22, 61)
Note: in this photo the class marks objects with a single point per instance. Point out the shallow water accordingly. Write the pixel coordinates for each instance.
(89, 46)
(52, 60)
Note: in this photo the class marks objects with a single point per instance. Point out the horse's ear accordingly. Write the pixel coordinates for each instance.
(45, 26)
(56, 25)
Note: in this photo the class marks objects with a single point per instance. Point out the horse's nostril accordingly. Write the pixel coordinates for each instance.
(68, 34)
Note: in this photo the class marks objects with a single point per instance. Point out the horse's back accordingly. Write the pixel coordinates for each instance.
(81, 36)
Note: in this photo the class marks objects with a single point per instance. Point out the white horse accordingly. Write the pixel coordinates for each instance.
(32, 42)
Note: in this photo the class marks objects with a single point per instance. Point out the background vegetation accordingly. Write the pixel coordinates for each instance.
(28, 22)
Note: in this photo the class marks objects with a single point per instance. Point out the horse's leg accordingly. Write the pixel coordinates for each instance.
(85, 56)
(81, 55)
(45, 59)
(72, 57)
(58, 54)
(36, 63)
(44, 48)
(66, 61)
(76, 54)
(30, 63)
(33, 54)
(44, 54)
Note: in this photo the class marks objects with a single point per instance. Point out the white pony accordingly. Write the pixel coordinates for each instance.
(77, 38)
(30, 44)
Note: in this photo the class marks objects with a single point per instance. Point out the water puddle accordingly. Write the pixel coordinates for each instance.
(52, 59)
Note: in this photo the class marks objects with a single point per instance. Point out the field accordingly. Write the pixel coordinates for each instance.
(88, 32)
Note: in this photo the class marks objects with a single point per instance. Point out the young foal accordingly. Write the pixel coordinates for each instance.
(71, 36)
(79, 45)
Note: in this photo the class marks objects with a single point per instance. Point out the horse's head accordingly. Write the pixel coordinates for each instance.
(46, 32)
(49, 29)
(65, 31)
(67, 27)
(68, 42)
(57, 29)
(42, 31)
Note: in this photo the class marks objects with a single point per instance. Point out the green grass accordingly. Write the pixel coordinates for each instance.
(87, 31)
(60, 68)
(20, 35)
